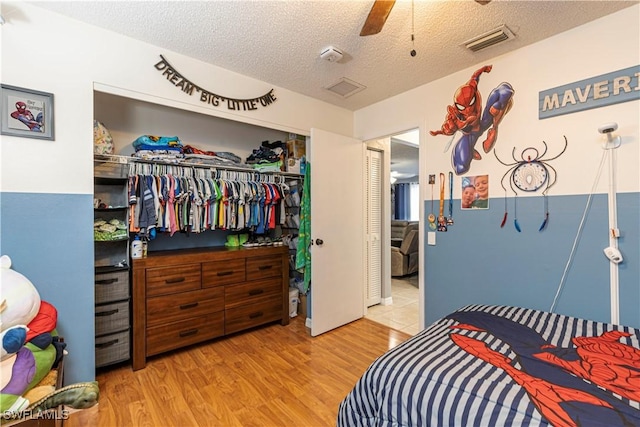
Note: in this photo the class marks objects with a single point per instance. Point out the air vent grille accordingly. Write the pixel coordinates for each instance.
(490, 38)
(345, 87)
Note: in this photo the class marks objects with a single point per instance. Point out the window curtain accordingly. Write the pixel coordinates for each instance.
(402, 201)
(406, 201)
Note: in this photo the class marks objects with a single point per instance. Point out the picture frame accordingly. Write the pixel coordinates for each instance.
(475, 192)
(26, 113)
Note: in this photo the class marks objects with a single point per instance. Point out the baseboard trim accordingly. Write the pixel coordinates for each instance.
(307, 323)
(386, 301)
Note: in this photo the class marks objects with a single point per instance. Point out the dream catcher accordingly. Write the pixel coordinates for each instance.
(529, 174)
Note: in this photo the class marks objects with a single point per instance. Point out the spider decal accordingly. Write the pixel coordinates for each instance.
(529, 174)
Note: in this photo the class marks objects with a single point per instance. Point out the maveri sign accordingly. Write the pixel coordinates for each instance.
(595, 92)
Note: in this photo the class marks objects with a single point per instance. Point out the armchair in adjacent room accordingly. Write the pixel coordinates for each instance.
(404, 260)
(400, 229)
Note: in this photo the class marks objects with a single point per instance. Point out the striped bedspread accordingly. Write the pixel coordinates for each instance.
(503, 366)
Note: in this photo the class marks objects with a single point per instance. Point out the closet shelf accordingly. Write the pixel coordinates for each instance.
(119, 162)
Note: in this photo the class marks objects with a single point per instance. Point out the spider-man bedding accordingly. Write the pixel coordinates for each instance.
(503, 366)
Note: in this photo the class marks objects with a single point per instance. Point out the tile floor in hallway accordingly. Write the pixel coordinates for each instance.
(403, 313)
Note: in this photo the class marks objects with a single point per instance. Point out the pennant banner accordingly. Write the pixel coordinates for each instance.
(208, 97)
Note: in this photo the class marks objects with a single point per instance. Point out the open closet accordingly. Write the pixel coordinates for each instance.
(191, 285)
(336, 244)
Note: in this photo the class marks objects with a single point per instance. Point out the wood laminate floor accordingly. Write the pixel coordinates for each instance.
(271, 376)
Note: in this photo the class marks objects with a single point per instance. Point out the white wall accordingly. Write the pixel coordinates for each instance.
(68, 58)
(501, 265)
(605, 45)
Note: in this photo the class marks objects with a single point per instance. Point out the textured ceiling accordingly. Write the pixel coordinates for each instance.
(279, 42)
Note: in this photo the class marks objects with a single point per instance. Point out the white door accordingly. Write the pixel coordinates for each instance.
(337, 230)
(373, 227)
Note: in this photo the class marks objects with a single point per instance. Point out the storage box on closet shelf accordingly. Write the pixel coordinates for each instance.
(297, 165)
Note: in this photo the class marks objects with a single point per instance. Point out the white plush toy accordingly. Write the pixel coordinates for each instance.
(19, 304)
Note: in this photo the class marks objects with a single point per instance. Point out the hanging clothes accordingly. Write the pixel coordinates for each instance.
(171, 198)
(303, 253)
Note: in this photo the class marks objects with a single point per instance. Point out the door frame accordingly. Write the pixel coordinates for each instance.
(384, 142)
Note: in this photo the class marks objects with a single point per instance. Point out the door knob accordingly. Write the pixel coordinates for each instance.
(319, 242)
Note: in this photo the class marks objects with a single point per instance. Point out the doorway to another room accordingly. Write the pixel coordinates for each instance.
(400, 308)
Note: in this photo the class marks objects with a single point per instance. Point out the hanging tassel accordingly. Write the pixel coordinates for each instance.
(515, 223)
(544, 223)
(504, 219)
(546, 215)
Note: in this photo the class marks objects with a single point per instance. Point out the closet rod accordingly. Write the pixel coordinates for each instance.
(125, 160)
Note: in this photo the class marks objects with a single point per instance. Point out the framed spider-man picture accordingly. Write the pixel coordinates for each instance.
(26, 113)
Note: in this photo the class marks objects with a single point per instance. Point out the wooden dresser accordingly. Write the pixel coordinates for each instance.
(183, 297)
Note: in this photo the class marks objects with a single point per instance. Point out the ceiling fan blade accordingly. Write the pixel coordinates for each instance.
(377, 17)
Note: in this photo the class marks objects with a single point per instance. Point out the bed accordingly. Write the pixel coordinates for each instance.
(503, 366)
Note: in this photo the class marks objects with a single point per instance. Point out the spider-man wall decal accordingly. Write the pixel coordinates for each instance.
(467, 116)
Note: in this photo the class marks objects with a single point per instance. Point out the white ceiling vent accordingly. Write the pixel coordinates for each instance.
(345, 87)
(490, 38)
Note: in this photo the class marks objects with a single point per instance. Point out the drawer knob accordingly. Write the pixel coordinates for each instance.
(188, 333)
(190, 305)
(255, 315)
(175, 280)
(107, 313)
(106, 281)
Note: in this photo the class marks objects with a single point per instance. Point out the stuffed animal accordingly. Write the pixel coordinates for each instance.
(19, 306)
(30, 349)
(23, 364)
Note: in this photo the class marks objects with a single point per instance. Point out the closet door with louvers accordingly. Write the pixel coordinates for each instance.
(373, 224)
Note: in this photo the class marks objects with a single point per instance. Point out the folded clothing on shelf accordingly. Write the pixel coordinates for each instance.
(152, 142)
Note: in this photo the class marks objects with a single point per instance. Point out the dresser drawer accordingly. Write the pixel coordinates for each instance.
(263, 267)
(179, 334)
(251, 292)
(249, 315)
(218, 273)
(112, 317)
(170, 308)
(112, 348)
(171, 280)
(112, 286)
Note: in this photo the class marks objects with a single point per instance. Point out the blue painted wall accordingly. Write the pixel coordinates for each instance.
(477, 262)
(49, 238)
